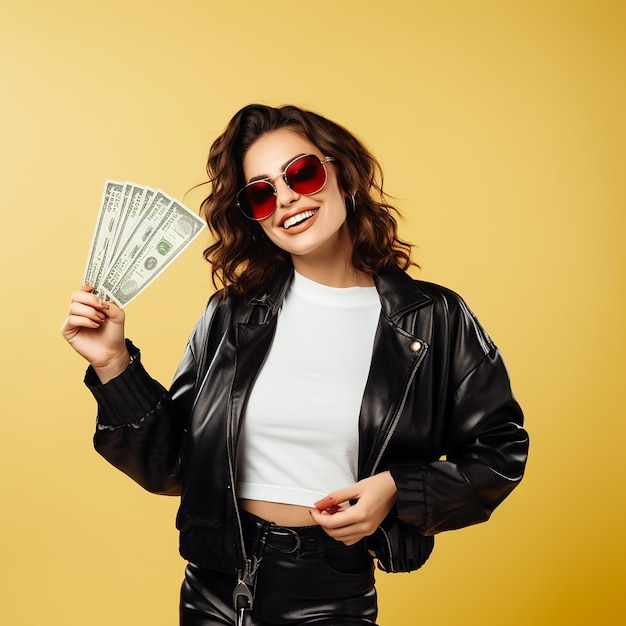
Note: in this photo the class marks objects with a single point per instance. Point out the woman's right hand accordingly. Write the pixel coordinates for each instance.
(95, 329)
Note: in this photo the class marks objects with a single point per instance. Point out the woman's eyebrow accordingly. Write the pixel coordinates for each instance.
(282, 170)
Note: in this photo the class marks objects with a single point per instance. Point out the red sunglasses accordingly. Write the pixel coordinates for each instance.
(306, 175)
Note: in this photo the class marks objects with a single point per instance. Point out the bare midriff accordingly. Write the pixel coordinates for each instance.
(280, 514)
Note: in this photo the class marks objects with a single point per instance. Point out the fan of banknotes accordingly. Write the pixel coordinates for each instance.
(139, 232)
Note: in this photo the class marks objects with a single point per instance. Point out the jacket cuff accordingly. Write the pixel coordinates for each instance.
(411, 503)
(128, 397)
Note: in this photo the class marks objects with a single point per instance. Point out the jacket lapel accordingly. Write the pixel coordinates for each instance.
(395, 356)
(252, 343)
(253, 339)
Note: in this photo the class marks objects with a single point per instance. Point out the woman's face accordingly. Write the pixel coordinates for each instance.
(311, 227)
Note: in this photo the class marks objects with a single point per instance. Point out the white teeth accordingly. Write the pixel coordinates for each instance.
(296, 219)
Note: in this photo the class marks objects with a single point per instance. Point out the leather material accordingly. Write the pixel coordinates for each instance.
(438, 413)
(321, 582)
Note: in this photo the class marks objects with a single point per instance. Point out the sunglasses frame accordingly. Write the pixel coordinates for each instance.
(283, 175)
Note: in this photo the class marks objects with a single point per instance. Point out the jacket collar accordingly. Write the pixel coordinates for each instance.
(272, 295)
(398, 292)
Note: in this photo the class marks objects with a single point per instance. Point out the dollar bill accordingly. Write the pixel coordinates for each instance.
(174, 233)
(138, 233)
(138, 238)
(104, 231)
(129, 213)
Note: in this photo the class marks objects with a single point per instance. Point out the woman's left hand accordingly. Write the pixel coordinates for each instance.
(375, 497)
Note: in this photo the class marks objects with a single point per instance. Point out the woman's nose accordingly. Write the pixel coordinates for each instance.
(285, 195)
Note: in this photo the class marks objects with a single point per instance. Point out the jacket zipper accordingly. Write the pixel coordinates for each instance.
(244, 588)
(243, 593)
(245, 572)
(396, 417)
(389, 435)
(391, 570)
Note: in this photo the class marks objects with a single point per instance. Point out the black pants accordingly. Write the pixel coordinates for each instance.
(305, 577)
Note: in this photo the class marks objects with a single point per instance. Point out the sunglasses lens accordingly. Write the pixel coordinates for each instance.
(257, 200)
(306, 175)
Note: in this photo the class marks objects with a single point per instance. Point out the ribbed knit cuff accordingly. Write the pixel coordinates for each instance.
(411, 503)
(128, 397)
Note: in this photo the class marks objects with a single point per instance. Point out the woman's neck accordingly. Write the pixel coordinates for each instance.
(331, 264)
(333, 273)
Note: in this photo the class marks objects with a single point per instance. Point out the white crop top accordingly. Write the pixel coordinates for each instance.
(300, 436)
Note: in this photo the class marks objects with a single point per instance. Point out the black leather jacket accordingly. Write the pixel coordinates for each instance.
(437, 412)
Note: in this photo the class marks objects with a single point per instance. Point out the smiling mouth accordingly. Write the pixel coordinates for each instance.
(298, 219)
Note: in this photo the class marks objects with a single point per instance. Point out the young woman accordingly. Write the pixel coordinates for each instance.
(328, 410)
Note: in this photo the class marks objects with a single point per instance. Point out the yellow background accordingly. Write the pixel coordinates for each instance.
(501, 129)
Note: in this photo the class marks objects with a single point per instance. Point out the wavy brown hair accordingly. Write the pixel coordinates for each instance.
(242, 257)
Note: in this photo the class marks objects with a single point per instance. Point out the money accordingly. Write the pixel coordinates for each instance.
(103, 232)
(138, 233)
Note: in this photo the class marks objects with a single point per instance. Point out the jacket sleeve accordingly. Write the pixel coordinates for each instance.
(141, 425)
(485, 445)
